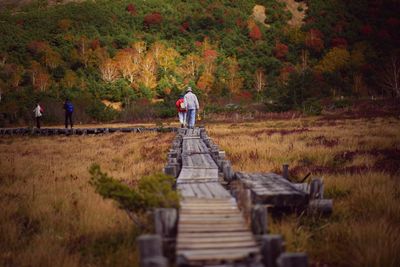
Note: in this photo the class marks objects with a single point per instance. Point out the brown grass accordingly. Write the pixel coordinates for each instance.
(359, 162)
(51, 216)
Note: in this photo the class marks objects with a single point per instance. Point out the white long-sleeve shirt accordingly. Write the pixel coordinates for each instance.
(191, 101)
(37, 111)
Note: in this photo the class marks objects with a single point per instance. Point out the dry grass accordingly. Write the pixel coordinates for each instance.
(359, 161)
(51, 216)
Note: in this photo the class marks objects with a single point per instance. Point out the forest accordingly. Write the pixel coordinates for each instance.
(129, 60)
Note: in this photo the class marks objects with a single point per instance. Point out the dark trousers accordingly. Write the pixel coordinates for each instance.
(38, 122)
(68, 116)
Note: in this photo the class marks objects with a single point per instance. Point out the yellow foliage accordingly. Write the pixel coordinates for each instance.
(335, 59)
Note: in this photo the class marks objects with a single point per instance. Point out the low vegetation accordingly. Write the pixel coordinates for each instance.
(52, 216)
(359, 162)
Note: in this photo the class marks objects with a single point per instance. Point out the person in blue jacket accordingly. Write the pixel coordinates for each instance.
(69, 109)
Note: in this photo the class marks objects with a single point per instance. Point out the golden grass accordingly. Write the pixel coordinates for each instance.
(364, 229)
(51, 216)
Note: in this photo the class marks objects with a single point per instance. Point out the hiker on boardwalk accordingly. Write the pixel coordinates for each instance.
(181, 107)
(38, 111)
(69, 109)
(192, 106)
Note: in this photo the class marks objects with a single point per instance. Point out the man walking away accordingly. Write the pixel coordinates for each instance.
(192, 104)
(181, 107)
(38, 114)
(69, 109)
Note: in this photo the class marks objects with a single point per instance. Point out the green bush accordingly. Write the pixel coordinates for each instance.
(153, 191)
(100, 112)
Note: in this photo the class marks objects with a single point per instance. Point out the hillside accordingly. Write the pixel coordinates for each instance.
(293, 55)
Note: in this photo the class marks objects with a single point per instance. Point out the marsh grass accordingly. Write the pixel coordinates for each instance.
(359, 162)
(50, 214)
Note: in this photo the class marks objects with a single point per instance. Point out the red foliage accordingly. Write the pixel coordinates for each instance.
(210, 54)
(339, 42)
(154, 18)
(95, 44)
(36, 47)
(255, 33)
(366, 30)
(131, 9)
(281, 50)
(339, 27)
(242, 97)
(318, 76)
(198, 43)
(314, 40)
(393, 22)
(184, 26)
(20, 22)
(374, 12)
(239, 22)
(383, 34)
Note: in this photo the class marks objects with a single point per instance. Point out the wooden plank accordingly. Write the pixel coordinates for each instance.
(210, 228)
(215, 235)
(220, 254)
(216, 245)
(186, 190)
(203, 187)
(210, 239)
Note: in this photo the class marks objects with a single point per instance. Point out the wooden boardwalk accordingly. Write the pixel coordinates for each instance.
(211, 229)
(79, 131)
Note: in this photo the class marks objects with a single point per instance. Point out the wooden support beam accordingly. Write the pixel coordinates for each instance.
(259, 219)
(285, 171)
(316, 189)
(271, 248)
(320, 206)
(150, 251)
(290, 259)
(165, 221)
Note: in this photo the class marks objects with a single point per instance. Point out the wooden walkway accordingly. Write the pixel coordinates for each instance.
(211, 229)
(79, 131)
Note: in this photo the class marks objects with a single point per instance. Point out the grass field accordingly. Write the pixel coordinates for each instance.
(51, 216)
(359, 161)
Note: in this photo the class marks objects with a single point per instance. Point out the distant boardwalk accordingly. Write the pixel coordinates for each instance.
(80, 131)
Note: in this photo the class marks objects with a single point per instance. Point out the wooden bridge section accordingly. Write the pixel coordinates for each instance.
(211, 229)
(222, 219)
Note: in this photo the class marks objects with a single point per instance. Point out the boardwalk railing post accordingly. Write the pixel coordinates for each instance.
(165, 222)
(290, 259)
(285, 171)
(271, 248)
(316, 189)
(259, 219)
(150, 251)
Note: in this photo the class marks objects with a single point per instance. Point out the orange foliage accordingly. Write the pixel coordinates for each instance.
(255, 33)
(314, 40)
(281, 50)
(154, 18)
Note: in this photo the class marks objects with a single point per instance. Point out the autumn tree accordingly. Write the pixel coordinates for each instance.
(190, 66)
(127, 64)
(234, 79)
(260, 80)
(281, 50)
(109, 70)
(314, 40)
(148, 72)
(152, 19)
(390, 75)
(70, 79)
(167, 59)
(336, 59)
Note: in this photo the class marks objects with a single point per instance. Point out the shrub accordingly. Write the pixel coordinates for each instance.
(153, 191)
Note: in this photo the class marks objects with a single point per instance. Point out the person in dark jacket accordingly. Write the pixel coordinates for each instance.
(69, 109)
